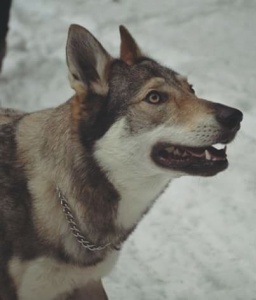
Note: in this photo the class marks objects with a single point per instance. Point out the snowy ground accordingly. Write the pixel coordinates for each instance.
(199, 241)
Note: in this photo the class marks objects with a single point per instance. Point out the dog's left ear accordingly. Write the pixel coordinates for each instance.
(129, 50)
(87, 61)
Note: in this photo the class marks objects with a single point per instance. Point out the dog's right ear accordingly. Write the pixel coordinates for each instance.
(87, 61)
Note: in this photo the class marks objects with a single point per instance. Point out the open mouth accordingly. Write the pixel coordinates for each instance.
(204, 161)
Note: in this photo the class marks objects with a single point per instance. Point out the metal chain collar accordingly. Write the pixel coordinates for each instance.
(74, 227)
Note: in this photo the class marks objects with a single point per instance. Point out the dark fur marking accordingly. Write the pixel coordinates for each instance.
(17, 235)
(100, 112)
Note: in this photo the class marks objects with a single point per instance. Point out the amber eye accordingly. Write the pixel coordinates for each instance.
(153, 98)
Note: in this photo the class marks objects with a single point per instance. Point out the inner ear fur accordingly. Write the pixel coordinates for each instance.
(129, 50)
(87, 62)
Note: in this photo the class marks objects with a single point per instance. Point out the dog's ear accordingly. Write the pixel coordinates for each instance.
(129, 50)
(87, 61)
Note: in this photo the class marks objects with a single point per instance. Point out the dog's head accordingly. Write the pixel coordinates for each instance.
(132, 110)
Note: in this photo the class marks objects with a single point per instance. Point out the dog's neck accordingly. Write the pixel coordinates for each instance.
(136, 181)
(107, 198)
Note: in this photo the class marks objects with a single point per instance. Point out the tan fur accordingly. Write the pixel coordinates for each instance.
(43, 172)
(46, 278)
(78, 109)
(98, 149)
(181, 109)
(8, 115)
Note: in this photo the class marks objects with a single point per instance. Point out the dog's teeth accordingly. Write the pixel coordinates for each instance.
(170, 149)
(176, 152)
(218, 146)
(207, 155)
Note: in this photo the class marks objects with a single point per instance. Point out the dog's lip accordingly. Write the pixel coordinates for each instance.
(185, 157)
(175, 152)
(210, 152)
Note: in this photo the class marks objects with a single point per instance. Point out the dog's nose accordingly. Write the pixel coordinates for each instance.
(228, 116)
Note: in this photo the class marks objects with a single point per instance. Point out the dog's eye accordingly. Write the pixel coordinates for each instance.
(154, 98)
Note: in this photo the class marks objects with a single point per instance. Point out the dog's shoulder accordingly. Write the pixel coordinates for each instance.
(15, 203)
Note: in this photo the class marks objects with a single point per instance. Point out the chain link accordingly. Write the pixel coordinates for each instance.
(74, 228)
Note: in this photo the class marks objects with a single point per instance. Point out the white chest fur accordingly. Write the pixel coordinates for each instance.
(46, 278)
(137, 200)
(126, 160)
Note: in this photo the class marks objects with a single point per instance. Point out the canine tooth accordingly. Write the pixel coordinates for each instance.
(218, 146)
(207, 155)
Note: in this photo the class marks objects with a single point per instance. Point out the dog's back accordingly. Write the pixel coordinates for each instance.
(13, 210)
(8, 115)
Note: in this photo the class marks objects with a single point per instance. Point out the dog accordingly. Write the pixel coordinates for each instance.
(75, 180)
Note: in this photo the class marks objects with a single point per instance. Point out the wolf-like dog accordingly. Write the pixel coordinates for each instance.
(75, 180)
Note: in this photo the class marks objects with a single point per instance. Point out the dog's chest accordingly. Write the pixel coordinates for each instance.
(136, 201)
(47, 279)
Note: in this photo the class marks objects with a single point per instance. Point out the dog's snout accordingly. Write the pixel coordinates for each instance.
(228, 116)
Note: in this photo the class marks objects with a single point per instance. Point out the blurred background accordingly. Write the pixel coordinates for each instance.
(199, 240)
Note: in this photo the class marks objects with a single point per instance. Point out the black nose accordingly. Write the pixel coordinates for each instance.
(228, 116)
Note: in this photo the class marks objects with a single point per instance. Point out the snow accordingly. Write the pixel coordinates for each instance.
(199, 240)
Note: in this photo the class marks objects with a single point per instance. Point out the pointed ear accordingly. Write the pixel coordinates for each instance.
(87, 61)
(129, 50)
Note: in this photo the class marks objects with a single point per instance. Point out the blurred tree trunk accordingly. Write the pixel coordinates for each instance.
(5, 6)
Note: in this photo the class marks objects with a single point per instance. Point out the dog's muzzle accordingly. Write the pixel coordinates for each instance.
(204, 161)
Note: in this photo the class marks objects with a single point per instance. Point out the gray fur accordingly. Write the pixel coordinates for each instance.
(55, 147)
